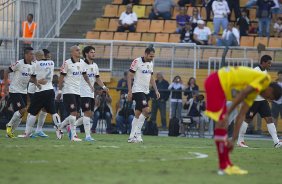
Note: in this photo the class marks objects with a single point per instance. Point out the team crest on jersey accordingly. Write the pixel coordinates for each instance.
(72, 106)
(86, 105)
(144, 102)
(19, 104)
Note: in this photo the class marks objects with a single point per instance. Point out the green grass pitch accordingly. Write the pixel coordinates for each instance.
(110, 159)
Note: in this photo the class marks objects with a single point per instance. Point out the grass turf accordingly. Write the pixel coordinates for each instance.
(110, 159)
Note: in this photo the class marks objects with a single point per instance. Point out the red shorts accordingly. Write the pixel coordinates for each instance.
(216, 100)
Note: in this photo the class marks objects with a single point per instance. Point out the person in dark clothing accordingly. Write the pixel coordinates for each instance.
(160, 104)
(264, 16)
(192, 89)
(182, 3)
(122, 84)
(186, 34)
(133, 2)
(208, 5)
(243, 22)
(234, 5)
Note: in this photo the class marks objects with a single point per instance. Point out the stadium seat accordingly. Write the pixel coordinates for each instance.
(174, 38)
(204, 13)
(162, 37)
(156, 26)
(166, 53)
(252, 14)
(139, 10)
(101, 24)
(237, 54)
(247, 41)
(148, 11)
(106, 76)
(146, 2)
(111, 10)
(275, 42)
(190, 10)
(106, 35)
(117, 2)
(182, 53)
(210, 25)
(243, 3)
(233, 18)
(121, 9)
(124, 52)
(170, 26)
(175, 12)
(138, 51)
(120, 36)
(99, 51)
(107, 52)
(143, 26)
(253, 54)
(134, 37)
(113, 25)
(92, 35)
(207, 53)
(261, 40)
(148, 37)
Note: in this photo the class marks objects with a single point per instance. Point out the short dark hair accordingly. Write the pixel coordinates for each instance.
(279, 72)
(265, 58)
(87, 49)
(27, 50)
(30, 14)
(149, 49)
(277, 90)
(46, 51)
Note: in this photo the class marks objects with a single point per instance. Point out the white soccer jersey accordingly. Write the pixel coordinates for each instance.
(21, 76)
(143, 72)
(31, 88)
(72, 71)
(92, 72)
(259, 98)
(44, 69)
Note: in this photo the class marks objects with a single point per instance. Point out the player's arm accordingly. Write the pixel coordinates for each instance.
(101, 83)
(239, 119)
(5, 91)
(130, 77)
(86, 78)
(34, 81)
(153, 82)
(60, 86)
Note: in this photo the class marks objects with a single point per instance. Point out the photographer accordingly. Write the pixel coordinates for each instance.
(196, 106)
(124, 114)
(102, 110)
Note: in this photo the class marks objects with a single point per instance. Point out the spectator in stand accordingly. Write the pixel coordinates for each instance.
(250, 3)
(122, 84)
(243, 22)
(162, 8)
(277, 105)
(127, 20)
(220, 10)
(264, 16)
(275, 10)
(28, 28)
(278, 27)
(160, 104)
(182, 3)
(202, 34)
(192, 89)
(234, 5)
(208, 5)
(195, 17)
(186, 35)
(182, 18)
(230, 36)
(133, 2)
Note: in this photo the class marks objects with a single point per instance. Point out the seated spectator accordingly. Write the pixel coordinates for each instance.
(124, 114)
(196, 16)
(182, 19)
(243, 22)
(102, 109)
(264, 16)
(230, 37)
(278, 27)
(127, 20)
(162, 8)
(192, 88)
(133, 2)
(186, 35)
(122, 84)
(220, 10)
(182, 3)
(202, 34)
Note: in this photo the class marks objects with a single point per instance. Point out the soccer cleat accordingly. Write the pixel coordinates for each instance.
(242, 144)
(26, 136)
(89, 139)
(10, 133)
(59, 133)
(238, 170)
(278, 145)
(76, 139)
(69, 132)
(41, 134)
(131, 140)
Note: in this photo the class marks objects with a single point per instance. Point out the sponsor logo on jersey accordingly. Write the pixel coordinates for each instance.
(147, 71)
(76, 73)
(25, 74)
(46, 64)
(91, 75)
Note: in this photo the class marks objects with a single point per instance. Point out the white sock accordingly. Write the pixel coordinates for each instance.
(40, 121)
(56, 119)
(140, 124)
(86, 124)
(16, 117)
(272, 130)
(29, 124)
(72, 120)
(242, 132)
(65, 122)
(133, 127)
(79, 121)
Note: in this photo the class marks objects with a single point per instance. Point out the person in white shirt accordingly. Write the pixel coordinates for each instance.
(71, 72)
(141, 70)
(127, 20)
(86, 93)
(276, 109)
(230, 36)
(202, 34)
(262, 107)
(278, 27)
(23, 72)
(220, 10)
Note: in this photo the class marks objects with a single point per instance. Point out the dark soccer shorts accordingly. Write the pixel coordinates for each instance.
(87, 104)
(18, 101)
(276, 110)
(43, 99)
(141, 100)
(71, 102)
(261, 107)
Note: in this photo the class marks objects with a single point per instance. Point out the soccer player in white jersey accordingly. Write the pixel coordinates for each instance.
(22, 71)
(260, 106)
(71, 72)
(141, 70)
(44, 97)
(86, 93)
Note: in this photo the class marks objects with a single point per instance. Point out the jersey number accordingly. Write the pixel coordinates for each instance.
(48, 75)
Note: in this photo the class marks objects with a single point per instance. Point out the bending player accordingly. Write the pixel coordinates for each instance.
(241, 85)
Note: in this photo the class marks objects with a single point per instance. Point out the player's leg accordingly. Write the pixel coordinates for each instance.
(86, 106)
(40, 122)
(145, 114)
(138, 110)
(275, 112)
